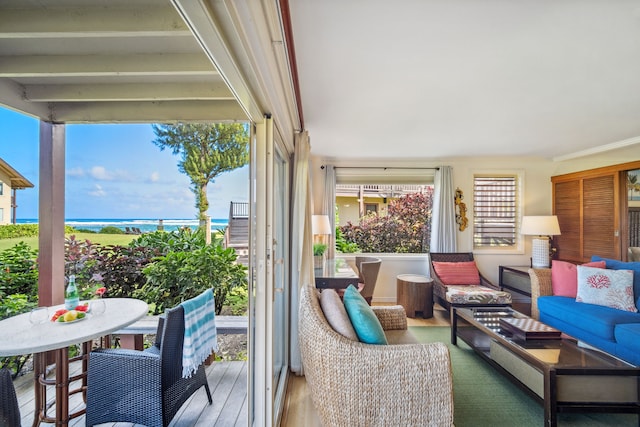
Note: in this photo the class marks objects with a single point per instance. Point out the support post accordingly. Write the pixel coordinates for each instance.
(51, 214)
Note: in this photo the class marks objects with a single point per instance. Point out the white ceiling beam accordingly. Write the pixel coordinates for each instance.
(91, 22)
(12, 96)
(148, 112)
(127, 92)
(215, 42)
(105, 65)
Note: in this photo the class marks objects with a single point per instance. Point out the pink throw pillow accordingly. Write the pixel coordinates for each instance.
(564, 277)
(610, 288)
(457, 273)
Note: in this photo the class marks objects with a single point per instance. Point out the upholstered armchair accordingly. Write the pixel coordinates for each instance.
(465, 285)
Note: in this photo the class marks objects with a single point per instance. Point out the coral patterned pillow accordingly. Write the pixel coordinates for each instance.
(457, 273)
(610, 288)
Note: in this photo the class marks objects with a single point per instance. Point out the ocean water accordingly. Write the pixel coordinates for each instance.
(145, 225)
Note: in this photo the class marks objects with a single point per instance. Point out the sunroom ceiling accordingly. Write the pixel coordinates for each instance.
(444, 78)
(107, 61)
(379, 80)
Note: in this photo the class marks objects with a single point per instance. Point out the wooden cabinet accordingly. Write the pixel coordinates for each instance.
(592, 212)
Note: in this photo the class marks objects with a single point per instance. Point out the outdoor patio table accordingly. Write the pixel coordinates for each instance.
(18, 336)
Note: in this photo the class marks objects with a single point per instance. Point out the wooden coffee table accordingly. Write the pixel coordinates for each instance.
(562, 375)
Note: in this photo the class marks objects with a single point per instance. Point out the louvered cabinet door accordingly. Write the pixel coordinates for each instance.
(587, 206)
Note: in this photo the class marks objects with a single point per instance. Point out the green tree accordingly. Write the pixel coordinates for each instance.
(206, 151)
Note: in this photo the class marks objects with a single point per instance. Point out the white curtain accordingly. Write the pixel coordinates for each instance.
(329, 206)
(443, 217)
(301, 241)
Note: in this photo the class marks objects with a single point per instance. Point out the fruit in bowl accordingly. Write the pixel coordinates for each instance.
(64, 315)
(83, 307)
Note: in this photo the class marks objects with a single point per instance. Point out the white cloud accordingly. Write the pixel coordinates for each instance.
(103, 174)
(100, 172)
(76, 172)
(98, 191)
(155, 177)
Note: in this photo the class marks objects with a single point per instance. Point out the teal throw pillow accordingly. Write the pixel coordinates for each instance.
(363, 319)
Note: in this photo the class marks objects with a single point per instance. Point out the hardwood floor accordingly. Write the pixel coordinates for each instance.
(299, 410)
(227, 381)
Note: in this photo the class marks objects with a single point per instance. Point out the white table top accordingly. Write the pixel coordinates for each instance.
(18, 336)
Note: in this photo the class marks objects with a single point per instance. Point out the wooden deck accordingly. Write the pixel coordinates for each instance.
(227, 381)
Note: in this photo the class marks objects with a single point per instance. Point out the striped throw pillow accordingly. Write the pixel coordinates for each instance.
(457, 273)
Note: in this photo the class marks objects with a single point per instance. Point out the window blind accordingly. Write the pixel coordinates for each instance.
(495, 211)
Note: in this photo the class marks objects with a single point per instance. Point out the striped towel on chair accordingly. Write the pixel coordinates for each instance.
(200, 335)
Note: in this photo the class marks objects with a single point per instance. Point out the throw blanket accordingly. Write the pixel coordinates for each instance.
(200, 335)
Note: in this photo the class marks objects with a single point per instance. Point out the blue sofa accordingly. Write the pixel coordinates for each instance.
(614, 331)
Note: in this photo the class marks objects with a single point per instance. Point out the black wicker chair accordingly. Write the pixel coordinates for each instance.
(143, 387)
(9, 410)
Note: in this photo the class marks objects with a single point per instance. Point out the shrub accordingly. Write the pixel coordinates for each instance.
(12, 305)
(18, 271)
(178, 276)
(13, 231)
(183, 239)
(111, 230)
(405, 229)
(81, 260)
(120, 268)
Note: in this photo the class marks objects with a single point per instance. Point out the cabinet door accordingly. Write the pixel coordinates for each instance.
(587, 206)
(600, 223)
(568, 209)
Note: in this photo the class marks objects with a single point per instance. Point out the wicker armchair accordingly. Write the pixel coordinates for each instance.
(355, 384)
(9, 409)
(143, 387)
(540, 286)
(368, 268)
(440, 289)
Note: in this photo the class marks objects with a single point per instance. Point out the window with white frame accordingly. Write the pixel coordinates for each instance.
(383, 210)
(496, 209)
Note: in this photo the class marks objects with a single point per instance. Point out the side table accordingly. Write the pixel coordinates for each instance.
(415, 293)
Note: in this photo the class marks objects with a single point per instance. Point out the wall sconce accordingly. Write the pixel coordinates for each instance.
(542, 227)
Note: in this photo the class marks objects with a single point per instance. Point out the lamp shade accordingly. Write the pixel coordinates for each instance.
(540, 225)
(320, 224)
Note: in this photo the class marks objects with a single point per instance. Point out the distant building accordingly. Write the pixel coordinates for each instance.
(10, 181)
(357, 200)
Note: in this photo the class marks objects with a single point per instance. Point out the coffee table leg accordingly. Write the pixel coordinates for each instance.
(550, 398)
(454, 325)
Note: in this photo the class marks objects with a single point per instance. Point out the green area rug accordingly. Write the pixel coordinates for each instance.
(484, 397)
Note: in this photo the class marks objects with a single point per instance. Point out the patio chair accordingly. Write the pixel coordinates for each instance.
(9, 409)
(143, 387)
(368, 269)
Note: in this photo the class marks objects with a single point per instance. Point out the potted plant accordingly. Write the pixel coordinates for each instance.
(318, 254)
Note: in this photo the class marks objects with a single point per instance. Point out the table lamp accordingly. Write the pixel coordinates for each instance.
(542, 227)
(320, 225)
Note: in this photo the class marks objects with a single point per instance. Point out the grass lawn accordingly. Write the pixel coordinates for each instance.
(103, 239)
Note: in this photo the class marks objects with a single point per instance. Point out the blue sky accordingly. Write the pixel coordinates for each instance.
(113, 171)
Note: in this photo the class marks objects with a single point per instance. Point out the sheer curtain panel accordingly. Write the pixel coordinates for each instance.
(443, 217)
(301, 241)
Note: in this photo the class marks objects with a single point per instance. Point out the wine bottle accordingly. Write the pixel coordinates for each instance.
(71, 296)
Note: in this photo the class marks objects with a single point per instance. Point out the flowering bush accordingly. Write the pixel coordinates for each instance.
(405, 229)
